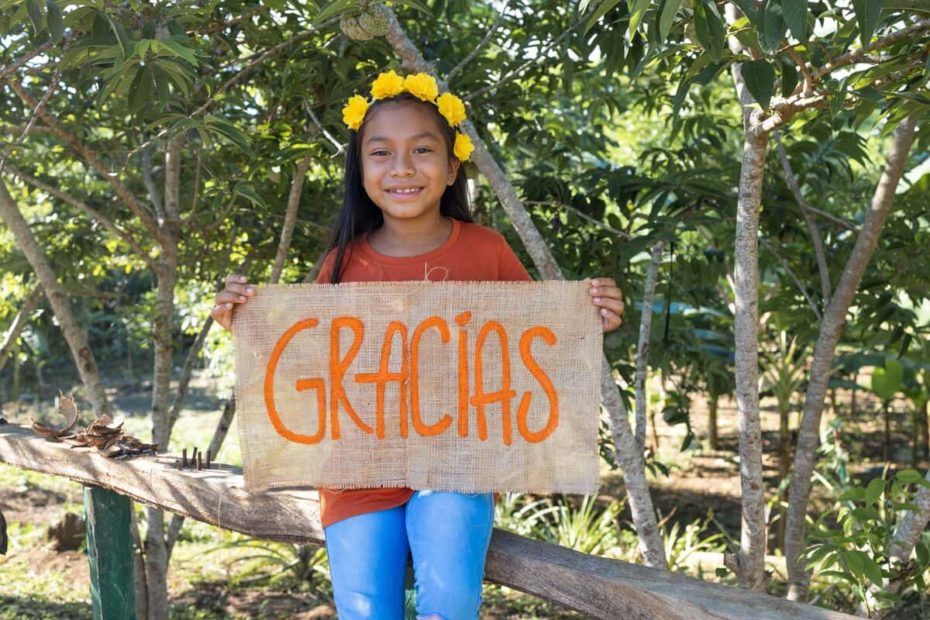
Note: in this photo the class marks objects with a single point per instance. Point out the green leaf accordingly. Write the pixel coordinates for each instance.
(35, 15)
(871, 569)
(140, 92)
(874, 490)
(718, 31)
(415, 4)
(773, 25)
(250, 194)
(909, 476)
(667, 16)
(332, 9)
(760, 80)
(748, 7)
(867, 14)
(637, 10)
(853, 561)
(794, 13)
(181, 51)
(789, 77)
(599, 12)
(866, 514)
(56, 24)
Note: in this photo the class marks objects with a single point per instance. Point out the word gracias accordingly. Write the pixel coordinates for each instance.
(407, 378)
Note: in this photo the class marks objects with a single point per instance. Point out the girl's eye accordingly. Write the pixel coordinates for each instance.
(423, 149)
(379, 153)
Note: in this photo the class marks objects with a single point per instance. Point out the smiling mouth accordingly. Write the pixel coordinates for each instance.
(408, 191)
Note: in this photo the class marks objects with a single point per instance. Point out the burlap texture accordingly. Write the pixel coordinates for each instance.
(565, 460)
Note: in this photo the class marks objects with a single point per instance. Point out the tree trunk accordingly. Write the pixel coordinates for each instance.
(634, 473)
(831, 328)
(156, 550)
(644, 517)
(219, 434)
(925, 425)
(751, 557)
(642, 347)
(290, 218)
(712, 422)
(30, 303)
(784, 466)
(886, 437)
(16, 373)
(74, 335)
(749, 563)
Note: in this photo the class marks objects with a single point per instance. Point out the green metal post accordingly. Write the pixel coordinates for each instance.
(109, 548)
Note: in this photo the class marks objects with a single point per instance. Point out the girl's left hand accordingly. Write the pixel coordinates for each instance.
(609, 300)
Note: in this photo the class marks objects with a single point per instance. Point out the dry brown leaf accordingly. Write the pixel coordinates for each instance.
(66, 407)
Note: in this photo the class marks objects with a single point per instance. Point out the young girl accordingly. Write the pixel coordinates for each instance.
(405, 216)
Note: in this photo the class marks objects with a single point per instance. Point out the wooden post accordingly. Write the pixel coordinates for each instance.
(109, 548)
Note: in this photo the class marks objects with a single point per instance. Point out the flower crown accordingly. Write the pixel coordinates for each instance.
(422, 86)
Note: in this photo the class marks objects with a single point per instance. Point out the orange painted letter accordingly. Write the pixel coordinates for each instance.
(302, 384)
(384, 375)
(481, 399)
(425, 430)
(337, 370)
(523, 410)
(462, 320)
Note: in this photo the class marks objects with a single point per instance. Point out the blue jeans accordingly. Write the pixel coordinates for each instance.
(447, 535)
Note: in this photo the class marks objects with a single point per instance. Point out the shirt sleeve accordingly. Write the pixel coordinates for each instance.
(510, 269)
(326, 270)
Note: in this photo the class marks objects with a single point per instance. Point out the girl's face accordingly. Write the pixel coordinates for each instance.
(406, 165)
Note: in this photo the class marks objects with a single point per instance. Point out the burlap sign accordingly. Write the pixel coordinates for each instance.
(453, 386)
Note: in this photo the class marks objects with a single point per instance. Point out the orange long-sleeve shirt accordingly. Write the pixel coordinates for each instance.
(472, 253)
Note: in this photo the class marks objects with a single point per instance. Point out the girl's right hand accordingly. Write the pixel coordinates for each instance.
(237, 291)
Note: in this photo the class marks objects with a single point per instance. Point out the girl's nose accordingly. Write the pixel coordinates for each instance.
(403, 166)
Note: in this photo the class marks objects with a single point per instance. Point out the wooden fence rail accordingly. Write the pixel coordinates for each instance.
(599, 587)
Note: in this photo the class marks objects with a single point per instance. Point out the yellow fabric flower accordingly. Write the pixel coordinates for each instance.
(354, 111)
(463, 147)
(387, 85)
(422, 85)
(452, 108)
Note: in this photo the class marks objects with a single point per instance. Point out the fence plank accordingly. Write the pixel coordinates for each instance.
(596, 586)
(109, 548)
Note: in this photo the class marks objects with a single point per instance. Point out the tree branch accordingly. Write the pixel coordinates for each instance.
(515, 73)
(642, 346)
(290, 218)
(30, 303)
(75, 336)
(95, 215)
(148, 178)
(501, 14)
(554, 203)
(11, 68)
(792, 181)
(90, 156)
(32, 119)
(860, 55)
(794, 278)
(831, 330)
(251, 63)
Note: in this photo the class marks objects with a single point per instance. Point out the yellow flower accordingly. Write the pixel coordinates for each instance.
(452, 108)
(354, 111)
(422, 85)
(463, 147)
(387, 85)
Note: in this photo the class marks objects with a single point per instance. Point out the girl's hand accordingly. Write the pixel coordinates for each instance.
(237, 291)
(608, 298)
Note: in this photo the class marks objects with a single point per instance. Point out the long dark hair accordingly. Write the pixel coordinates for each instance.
(359, 215)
